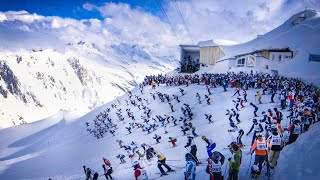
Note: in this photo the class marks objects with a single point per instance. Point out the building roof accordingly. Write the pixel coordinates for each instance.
(260, 50)
(207, 43)
(190, 48)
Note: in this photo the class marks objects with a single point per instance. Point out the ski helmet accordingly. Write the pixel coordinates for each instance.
(204, 137)
(215, 156)
(274, 128)
(135, 163)
(188, 156)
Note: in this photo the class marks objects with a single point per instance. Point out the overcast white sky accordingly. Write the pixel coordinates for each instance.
(235, 20)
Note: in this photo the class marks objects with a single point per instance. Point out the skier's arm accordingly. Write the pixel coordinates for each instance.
(254, 146)
(222, 158)
(188, 144)
(290, 129)
(250, 130)
(261, 128)
(84, 169)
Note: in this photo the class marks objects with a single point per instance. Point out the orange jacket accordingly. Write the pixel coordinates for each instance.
(260, 146)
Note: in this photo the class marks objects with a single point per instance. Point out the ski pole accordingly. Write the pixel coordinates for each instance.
(225, 170)
(249, 164)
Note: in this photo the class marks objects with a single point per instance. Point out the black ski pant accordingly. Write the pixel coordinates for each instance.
(163, 162)
(193, 151)
(233, 174)
(259, 159)
(239, 138)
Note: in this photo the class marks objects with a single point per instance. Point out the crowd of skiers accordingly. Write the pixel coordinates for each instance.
(269, 134)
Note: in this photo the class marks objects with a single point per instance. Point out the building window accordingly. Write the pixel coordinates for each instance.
(241, 62)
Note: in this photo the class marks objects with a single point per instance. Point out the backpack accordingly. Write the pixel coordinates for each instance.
(106, 162)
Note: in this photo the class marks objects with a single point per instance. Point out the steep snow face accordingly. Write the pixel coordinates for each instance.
(302, 39)
(37, 83)
(299, 160)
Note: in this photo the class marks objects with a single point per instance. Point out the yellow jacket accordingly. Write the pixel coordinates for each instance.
(160, 156)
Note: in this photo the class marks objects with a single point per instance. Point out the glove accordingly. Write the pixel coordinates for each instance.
(185, 146)
(247, 134)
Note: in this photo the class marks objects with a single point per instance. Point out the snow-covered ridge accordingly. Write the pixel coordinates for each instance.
(80, 77)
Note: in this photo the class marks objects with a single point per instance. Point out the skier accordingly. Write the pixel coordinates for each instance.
(240, 134)
(112, 132)
(107, 171)
(224, 84)
(193, 149)
(171, 106)
(241, 103)
(275, 145)
(129, 129)
(174, 121)
(167, 97)
(190, 173)
(237, 92)
(120, 143)
(157, 138)
(193, 130)
(173, 141)
(237, 115)
(279, 115)
(208, 99)
(121, 157)
(149, 152)
(295, 130)
(176, 98)
(181, 91)
(235, 161)
(87, 172)
(285, 136)
(283, 100)
(255, 109)
(260, 147)
(199, 98)
(210, 145)
(162, 162)
(273, 93)
(214, 167)
(257, 127)
(209, 116)
(245, 95)
(139, 173)
(259, 97)
(208, 89)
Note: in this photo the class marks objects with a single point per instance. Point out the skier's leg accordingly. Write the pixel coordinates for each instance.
(160, 167)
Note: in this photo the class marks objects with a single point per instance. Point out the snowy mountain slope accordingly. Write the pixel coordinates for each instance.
(65, 146)
(302, 39)
(43, 81)
(299, 161)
